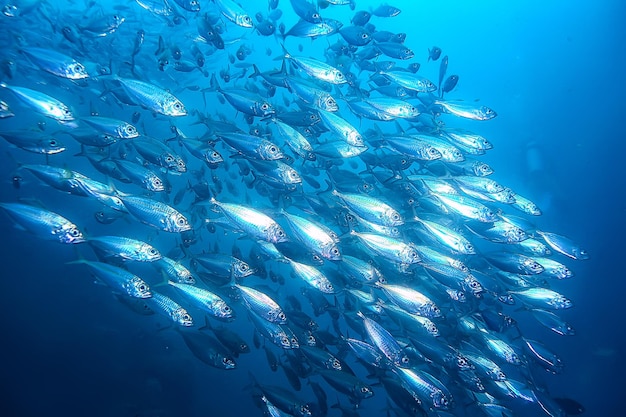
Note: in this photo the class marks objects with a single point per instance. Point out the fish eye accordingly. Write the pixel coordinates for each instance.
(181, 221)
(169, 158)
(53, 143)
(335, 251)
(273, 149)
(405, 359)
(365, 390)
(215, 154)
(186, 317)
(264, 106)
(142, 287)
(395, 216)
(243, 346)
(74, 232)
(157, 181)
(152, 251)
(177, 106)
(364, 36)
(281, 316)
(284, 340)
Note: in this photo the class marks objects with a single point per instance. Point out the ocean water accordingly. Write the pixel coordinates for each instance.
(553, 71)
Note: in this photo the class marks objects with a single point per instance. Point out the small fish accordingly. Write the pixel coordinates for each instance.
(56, 63)
(125, 248)
(156, 214)
(152, 97)
(434, 53)
(119, 279)
(564, 245)
(170, 309)
(41, 103)
(43, 223)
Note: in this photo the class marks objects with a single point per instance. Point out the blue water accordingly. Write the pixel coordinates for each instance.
(553, 71)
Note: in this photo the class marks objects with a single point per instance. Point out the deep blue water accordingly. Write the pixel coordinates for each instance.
(553, 71)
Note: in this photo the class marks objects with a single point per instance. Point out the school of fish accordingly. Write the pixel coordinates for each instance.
(318, 203)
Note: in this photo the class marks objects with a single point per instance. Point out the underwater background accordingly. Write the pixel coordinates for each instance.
(552, 70)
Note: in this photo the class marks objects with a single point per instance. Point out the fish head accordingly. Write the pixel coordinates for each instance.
(302, 410)
(224, 311)
(276, 234)
(244, 20)
(363, 391)
(154, 183)
(270, 151)
(264, 109)
(290, 175)
(69, 233)
(137, 288)
(76, 71)
(213, 157)
(328, 103)
(61, 113)
(182, 317)
(284, 342)
(482, 170)
(392, 218)
(127, 131)
(332, 252)
(177, 223)
(580, 253)
(225, 362)
(148, 253)
(174, 107)
(409, 256)
(441, 400)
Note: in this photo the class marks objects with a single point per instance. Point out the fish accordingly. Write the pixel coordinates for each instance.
(156, 214)
(564, 245)
(257, 224)
(152, 97)
(207, 300)
(43, 223)
(434, 53)
(169, 308)
(125, 248)
(118, 279)
(41, 103)
(56, 63)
